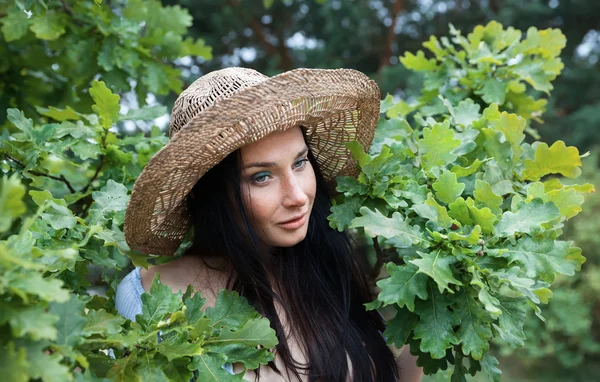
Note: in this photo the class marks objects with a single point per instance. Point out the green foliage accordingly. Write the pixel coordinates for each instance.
(491, 65)
(63, 199)
(471, 211)
(57, 52)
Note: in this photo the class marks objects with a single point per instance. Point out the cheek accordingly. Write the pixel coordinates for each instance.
(260, 205)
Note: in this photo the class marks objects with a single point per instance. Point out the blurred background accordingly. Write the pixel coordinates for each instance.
(272, 36)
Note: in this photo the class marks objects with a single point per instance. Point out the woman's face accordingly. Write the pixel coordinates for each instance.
(278, 187)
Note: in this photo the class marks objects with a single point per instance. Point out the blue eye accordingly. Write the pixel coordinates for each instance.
(301, 163)
(261, 177)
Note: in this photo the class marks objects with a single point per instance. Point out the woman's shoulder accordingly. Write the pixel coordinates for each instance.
(128, 300)
(188, 270)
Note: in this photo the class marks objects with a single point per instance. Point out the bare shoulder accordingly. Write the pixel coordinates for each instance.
(184, 271)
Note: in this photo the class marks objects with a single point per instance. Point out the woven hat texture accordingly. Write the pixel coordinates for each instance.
(227, 109)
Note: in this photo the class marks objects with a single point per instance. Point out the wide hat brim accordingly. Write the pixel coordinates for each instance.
(335, 105)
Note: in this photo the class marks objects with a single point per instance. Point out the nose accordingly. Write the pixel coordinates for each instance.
(293, 193)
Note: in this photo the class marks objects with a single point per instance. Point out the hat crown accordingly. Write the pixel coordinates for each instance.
(207, 90)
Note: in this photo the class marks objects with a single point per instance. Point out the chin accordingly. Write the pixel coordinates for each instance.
(289, 239)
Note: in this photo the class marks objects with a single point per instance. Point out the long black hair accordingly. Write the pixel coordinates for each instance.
(321, 280)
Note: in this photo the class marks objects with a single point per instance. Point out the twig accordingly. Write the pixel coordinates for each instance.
(67, 7)
(381, 258)
(60, 178)
(95, 175)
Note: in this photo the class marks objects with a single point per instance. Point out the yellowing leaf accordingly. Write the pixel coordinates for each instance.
(548, 42)
(419, 62)
(558, 159)
(106, 103)
(513, 127)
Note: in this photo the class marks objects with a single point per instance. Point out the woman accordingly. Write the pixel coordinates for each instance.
(248, 168)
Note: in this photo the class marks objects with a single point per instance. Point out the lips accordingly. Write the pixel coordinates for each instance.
(294, 223)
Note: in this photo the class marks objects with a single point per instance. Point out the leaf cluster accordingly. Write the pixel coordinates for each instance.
(471, 211)
(55, 49)
(63, 211)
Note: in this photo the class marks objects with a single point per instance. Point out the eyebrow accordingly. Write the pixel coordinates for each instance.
(273, 164)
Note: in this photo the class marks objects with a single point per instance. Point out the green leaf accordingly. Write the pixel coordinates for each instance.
(483, 194)
(513, 127)
(548, 42)
(32, 283)
(466, 112)
(437, 145)
(102, 322)
(15, 24)
(193, 303)
(49, 26)
(447, 187)
(475, 330)
(358, 153)
(398, 329)
(70, 323)
(434, 328)
(11, 201)
(545, 258)
(13, 363)
(197, 48)
(47, 367)
(40, 197)
(175, 345)
(31, 321)
(59, 114)
(149, 370)
(437, 266)
(106, 103)
(433, 211)
(155, 78)
(418, 63)
(466, 213)
(404, 283)
(511, 321)
(144, 114)
(528, 218)
(466, 171)
(18, 119)
(489, 364)
(342, 214)
(493, 91)
(210, 368)
(157, 304)
(231, 310)
(471, 238)
(558, 159)
(110, 199)
(395, 230)
(59, 216)
(241, 345)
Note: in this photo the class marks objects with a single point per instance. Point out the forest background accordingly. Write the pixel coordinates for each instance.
(275, 36)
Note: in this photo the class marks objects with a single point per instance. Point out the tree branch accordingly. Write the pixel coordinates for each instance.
(279, 49)
(60, 178)
(389, 38)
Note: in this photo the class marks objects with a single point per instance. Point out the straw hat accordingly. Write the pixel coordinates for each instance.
(230, 108)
